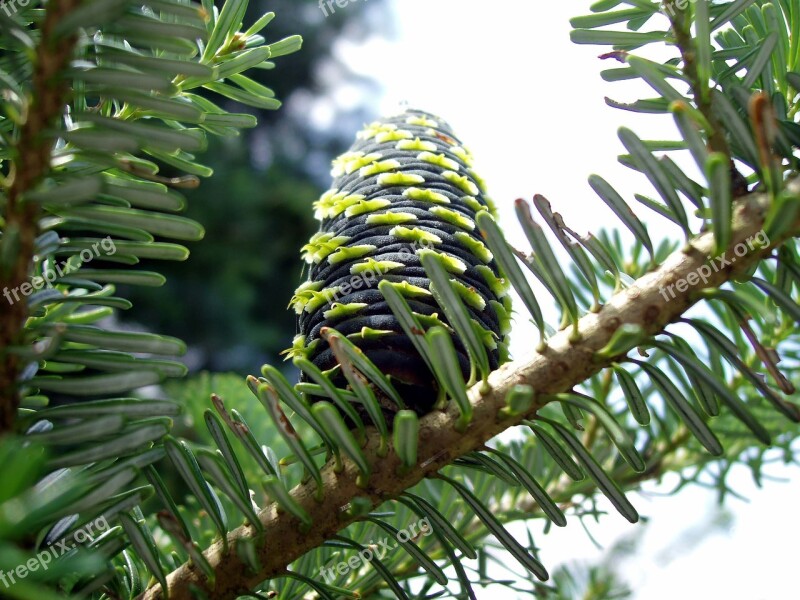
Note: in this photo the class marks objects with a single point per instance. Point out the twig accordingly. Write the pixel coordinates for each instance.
(30, 164)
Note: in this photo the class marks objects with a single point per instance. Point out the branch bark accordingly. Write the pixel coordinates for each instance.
(560, 367)
(31, 163)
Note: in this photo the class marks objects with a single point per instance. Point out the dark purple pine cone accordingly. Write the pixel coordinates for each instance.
(405, 185)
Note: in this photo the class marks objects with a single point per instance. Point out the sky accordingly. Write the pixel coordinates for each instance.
(530, 106)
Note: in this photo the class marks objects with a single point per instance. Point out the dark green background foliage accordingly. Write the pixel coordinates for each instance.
(228, 300)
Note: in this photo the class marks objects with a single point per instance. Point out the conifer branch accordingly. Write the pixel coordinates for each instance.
(559, 368)
(31, 163)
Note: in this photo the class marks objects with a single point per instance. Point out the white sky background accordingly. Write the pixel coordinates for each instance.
(529, 104)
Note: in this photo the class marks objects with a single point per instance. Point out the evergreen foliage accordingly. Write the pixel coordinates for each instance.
(665, 359)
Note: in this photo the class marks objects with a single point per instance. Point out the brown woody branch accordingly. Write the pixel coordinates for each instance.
(30, 164)
(560, 367)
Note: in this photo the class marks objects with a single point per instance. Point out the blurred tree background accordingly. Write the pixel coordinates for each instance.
(228, 300)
